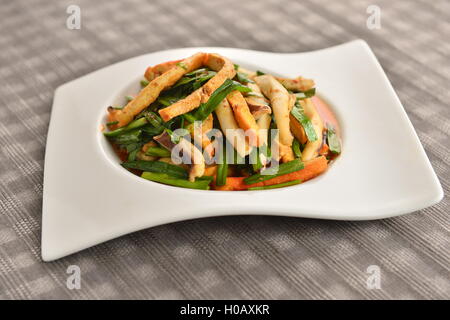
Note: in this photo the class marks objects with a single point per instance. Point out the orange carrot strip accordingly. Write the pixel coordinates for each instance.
(232, 184)
(312, 169)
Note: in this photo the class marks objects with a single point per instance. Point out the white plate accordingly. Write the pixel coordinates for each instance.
(89, 198)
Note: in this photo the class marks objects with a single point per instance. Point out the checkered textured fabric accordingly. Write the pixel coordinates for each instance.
(229, 257)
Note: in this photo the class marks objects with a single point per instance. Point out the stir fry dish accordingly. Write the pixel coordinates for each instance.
(206, 123)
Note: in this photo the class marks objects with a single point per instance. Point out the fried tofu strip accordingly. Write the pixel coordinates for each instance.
(312, 147)
(231, 129)
(155, 71)
(225, 70)
(244, 117)
(296, 84)
(151, 92)
(280, 102)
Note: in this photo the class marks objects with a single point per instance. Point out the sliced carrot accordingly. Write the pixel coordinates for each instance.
(233, 183)
(312, 169)
(211, 171)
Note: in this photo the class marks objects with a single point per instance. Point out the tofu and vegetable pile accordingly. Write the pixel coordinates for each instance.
(206, 123)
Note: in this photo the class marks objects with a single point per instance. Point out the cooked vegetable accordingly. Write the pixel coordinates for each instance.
(152, 90)
(133, 125)
(283, 168)
(276, 186)
(297, 129)
(183, 146)
(308, 128)
(333, 140)
(222, 168)
(306, 94)
(312, 146)
(242, 78)
(296, 149)
(112, 123)
(166, 179)
(225, 70)
(206, 123)
(157, 152)
(279, 99)
(223, 91)
(144, 83)
(312, 169)
(157, 167)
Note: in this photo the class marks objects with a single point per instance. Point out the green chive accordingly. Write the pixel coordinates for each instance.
(129, 139)
(182, 65)
(205, 109)
(157, 167)
(222, 168)
(305, 94)
(144, 82)
(276, 186)
(296, 148)
(299, 114)
(133, 125)
(182, 122)
(333, 140)
(255, 159)
(166, 179)
(189, 117)
(158, 152)
(242, 78)
(168, 100)
(259, 73)
(111, 123)
(197, 80)
(132, 154)
(283, 169)
(129, 98)
(153, 119)
(195, 72)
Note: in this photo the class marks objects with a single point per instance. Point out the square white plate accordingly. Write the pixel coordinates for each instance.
(89, 198)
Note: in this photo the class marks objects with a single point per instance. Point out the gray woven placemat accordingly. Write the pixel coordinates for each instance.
(229, 257)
